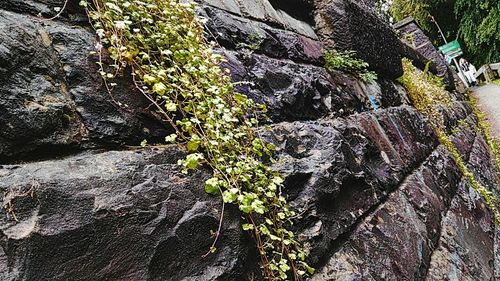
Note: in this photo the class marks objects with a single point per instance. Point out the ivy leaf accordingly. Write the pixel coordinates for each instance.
(212, 186)
(171, 106)
(247, 226)
(194, 143)
(171, 138)
(160, 89)
(192, 160)
(278, 180)
(230, 196)
(148, 79)
(246, 209)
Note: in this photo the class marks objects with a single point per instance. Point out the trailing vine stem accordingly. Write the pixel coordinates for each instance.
(179, 72)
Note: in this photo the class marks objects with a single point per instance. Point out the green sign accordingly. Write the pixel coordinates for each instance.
(451, 50)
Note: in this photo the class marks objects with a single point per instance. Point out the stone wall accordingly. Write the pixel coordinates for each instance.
(378, 198)
(414, 36)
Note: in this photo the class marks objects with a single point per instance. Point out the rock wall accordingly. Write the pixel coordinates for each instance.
(378, 197)
(414, 36)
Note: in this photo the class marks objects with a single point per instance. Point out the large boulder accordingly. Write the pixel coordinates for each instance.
(128, 215)
(348, 25)
(52, 96)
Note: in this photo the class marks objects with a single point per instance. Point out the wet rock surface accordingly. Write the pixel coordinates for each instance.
(413, 36)
(378, 198)
(54, 97)
(348, 25)
(113, 216)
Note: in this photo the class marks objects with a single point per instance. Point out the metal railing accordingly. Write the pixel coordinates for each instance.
(488, 72)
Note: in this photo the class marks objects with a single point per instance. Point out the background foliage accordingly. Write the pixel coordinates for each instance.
(475, 23)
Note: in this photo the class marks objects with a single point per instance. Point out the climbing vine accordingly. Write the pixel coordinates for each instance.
(172, 64)
(428, 95)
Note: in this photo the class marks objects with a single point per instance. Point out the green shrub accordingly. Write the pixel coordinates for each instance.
(348, 62)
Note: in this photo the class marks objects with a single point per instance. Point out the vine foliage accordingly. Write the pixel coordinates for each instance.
(172, 64)
(428, 95)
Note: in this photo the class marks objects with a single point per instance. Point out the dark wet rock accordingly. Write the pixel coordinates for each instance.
(294, 91)
(465, 249)
(349, 26)
(264, 11)
(407, 225)
(241, 33)
(113, 216)
(47, 9)
(53, 96)
(409, 133)
(345, 168)
(481, 163)
(417, 59)
(392, 94)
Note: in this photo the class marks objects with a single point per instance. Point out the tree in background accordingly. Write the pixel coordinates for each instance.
(475, 23)
(479, 29)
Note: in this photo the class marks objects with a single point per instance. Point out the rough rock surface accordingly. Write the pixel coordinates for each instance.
(378, 197)
(413, 36)
(54, 96)
(349, 25)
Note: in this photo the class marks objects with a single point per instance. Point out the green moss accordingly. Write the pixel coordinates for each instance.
(428, 95)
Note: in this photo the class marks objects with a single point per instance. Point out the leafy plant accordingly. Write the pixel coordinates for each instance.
(172, 64)
(254, 42)
(349, 63)
(426, 92)
(428, 95)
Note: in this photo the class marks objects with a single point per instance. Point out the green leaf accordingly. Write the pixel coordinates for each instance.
(212, 186)
(160, 89)
(171, 106)
(274, 237)
(278, 180)
(247, 226)
(194, 143)
(144, 143)
(230, 196)
(148, 79)
(246, 209)
(171, 138)
(192, 160)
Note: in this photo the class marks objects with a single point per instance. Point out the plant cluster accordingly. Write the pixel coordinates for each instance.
(428, 95)
(172, 64)
(348, 62)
